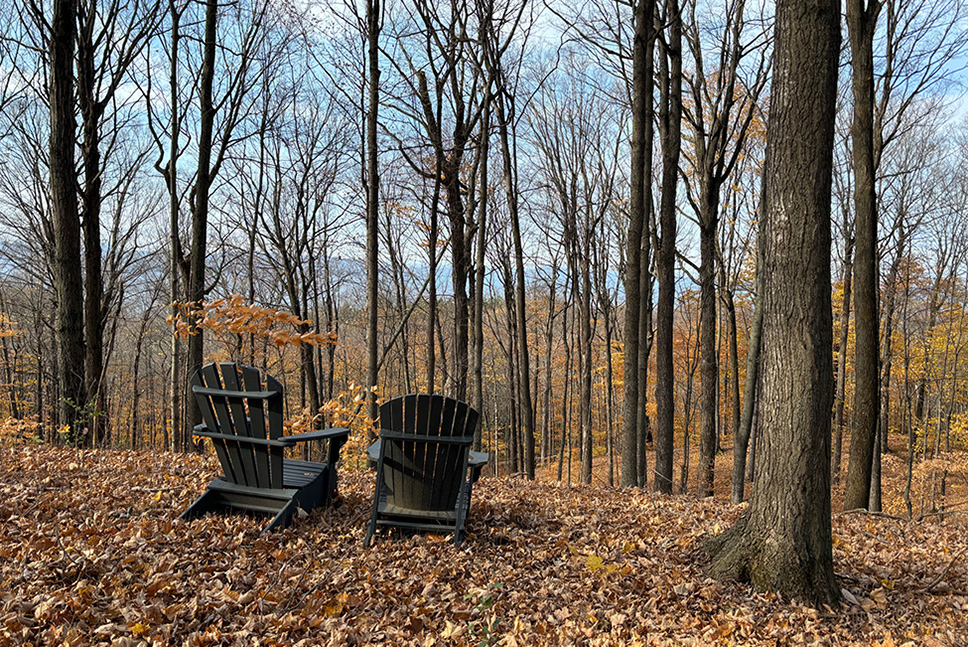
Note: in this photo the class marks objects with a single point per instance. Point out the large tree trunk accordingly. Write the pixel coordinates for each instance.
(861, 23)
(670, 132)
(670, 129)
(69, 329)
(783, 541)
(640, 164)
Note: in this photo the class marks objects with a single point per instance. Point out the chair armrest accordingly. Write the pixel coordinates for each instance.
(253, 395)
(477, 462)
(373, 451)
(245, 440)
(284, 441)
(319, 434)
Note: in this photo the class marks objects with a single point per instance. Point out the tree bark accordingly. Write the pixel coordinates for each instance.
(91, 219)
(709, 363)
(524, 371)
(203, 184)
(477, 367)
(783, 541)
(640, 164)
(861, 23)
(69, 329)
(670, 132)
(174, 268)
(373, 22)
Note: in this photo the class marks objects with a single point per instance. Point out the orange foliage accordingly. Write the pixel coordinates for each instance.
(233, 316)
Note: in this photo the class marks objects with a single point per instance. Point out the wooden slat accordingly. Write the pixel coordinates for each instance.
(452, 473)
(433, 453)
(223, 423)
(228, 393)
(409, 414)
(205, 406)
(418, 496)
(470, 421)
(274, 413)
(441, 491)
(257, 424)
(240, 423)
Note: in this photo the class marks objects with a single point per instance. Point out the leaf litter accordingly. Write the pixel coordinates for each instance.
(92, 553)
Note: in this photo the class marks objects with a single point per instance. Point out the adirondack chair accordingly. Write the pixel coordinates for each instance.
(244, 422)
(425, 466)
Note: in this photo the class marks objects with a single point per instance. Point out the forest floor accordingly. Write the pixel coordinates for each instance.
(92, 552)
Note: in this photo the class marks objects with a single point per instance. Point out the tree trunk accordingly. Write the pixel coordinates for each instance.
(840, 394)
(709, 364)
(525, 404)
(670, 132)
(861, 23)
(585, 361)
(175, 251)
(91, 218)
(783, 541)
(69, 329)
(477, 368)
(373, 22)
(203, 181)
(609, 397)
(742, 441)
(640, 165)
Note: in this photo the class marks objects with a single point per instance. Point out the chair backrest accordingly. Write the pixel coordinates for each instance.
(421, 474)
(233, 402)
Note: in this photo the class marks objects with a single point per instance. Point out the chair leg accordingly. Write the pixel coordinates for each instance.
(282, 519)
(371, 529)
(369, 532)
(463, 503)
(377, 491)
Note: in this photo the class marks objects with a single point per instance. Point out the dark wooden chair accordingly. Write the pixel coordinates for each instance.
(425, 466)
(244, 422)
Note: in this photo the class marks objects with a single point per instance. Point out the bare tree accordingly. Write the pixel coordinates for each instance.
(722, 108)
(917, 55)
(109, 41)
(66, 220)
